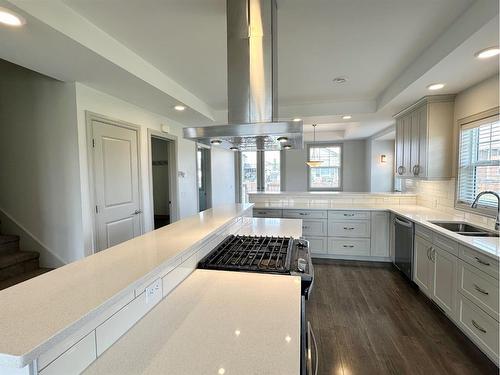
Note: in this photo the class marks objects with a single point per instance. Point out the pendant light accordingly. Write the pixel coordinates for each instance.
(314, 160)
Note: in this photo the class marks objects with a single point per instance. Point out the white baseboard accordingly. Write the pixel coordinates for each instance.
(48, 258)
(347, 257)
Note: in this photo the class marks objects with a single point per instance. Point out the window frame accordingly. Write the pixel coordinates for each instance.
(341, 179)
(482, 117)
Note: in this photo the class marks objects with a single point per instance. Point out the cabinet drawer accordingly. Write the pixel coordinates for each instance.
(354, 228)
(479, 260)
(348, 246)
(348, 215)
(314, 227)
(479, 326)
(317, 245)
(479, 287)
(267, 212)
(446, 244)
(305, 214)
(423, 232)
(75, 359)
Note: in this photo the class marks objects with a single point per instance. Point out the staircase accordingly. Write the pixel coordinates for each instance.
(17, 266)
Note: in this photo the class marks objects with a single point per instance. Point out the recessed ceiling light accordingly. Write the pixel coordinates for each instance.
(346, 117)
(216, 141)
(340, 80)
(296, 119)
(487, 53)
(435, 86)
(287, 147)
(10, 18)
(179, 107)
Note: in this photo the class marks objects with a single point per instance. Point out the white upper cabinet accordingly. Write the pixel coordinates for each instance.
(424, 138)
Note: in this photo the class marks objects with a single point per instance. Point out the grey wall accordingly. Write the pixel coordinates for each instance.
(381, 174)
(354, 175)
(39, 168)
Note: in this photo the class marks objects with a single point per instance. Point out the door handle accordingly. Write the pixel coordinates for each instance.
(136, 212)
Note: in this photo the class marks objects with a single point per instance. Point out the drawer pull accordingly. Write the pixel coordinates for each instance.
(348, 214)
(349, 246)
(480, 261)
(478, 327)
(261, 212)
(480, 290)
(348, 228)
(303, 214)
(305, 227)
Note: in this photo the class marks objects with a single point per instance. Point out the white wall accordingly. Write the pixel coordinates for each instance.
(223, 178)
(39, 169)
(381, 174)
(88, 99)
(353, 174)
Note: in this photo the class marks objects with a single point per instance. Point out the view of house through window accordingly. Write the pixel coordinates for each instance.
(260, 171)
(479, 161)
(328, 175)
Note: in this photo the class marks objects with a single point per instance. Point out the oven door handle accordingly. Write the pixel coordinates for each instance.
(312, 369)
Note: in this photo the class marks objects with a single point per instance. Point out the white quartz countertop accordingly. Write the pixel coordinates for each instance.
(489, 246)
(41, 311)
(271, 227)
(329, 193)
(215, 322)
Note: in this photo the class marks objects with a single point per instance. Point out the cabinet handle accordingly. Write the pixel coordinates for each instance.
(433, 255)
(480, 290)
(303, 214)
(348, 214)
(348, 246)
(479, 260)
(416, 170)
(478, 327)
(428, 250)
(400, 170)
(305, 227)
(348, 228)
(261, 212)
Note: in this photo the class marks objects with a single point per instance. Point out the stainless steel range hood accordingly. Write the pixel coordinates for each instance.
(252, 84)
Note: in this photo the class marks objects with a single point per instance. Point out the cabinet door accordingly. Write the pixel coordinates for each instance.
(414, 143)
(380, 234)
(399, 146)
(407, 146)
(422, 142)
(422, 265)
(444, 291)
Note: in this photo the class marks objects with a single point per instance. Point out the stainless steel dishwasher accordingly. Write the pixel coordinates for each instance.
(403, 259)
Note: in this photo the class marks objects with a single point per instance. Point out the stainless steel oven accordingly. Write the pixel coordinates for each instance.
(403, 259)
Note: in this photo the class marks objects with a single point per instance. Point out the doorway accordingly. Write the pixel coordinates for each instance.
(163, 178)
(204, 177)
(114, 149)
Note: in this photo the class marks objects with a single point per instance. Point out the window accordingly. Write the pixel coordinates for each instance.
(479, 163)
(327, 176)
(259, 171)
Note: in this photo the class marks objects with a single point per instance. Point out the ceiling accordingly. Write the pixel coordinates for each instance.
(387, 49)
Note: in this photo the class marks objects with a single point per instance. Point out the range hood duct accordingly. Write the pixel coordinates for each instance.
(252, 84)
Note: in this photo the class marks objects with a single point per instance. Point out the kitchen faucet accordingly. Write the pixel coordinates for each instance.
(474, 205)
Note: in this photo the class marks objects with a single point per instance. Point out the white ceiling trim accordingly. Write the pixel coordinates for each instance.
(472, 20)
(65, 20)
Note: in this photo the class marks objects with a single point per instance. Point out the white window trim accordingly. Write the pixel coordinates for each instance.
(326, 144)
(482, 116)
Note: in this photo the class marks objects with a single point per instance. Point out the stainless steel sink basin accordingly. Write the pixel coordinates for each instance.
(465, 229)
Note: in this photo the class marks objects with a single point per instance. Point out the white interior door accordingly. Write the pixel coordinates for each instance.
(116, 178)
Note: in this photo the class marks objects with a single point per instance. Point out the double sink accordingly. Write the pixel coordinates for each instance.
(465, 229)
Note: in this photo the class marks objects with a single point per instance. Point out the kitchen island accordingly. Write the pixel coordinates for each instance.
(61, 322)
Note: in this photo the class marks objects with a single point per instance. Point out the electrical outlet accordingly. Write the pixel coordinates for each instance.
(153, 292)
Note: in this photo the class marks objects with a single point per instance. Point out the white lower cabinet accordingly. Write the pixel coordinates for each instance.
(349, 246)
(75, 359)
(379, 244)
(353, 228)
(422, 265)
(317, 245)
(479, 326)
(444, 285)
(314, 227)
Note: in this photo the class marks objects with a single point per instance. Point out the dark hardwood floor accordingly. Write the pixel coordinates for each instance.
(369, 320)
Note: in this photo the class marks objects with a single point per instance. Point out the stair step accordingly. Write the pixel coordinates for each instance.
(14, 263)
(23, 277)
(8, 242)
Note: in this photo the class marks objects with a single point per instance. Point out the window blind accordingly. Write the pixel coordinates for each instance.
(479, 161)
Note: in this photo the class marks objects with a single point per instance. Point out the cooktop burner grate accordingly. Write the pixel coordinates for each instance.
(251, 253)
